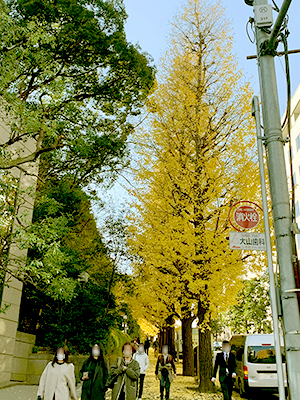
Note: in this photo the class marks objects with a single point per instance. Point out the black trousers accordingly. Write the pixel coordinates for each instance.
(164, 386)
(141, 385)
(227, 387)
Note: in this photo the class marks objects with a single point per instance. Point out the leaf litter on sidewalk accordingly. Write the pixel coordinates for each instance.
(182, 388)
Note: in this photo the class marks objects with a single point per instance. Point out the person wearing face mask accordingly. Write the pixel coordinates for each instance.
(226, 364)
(124, 376)
(58, 379)
(94, 375)
(165, 367)
(142, 358)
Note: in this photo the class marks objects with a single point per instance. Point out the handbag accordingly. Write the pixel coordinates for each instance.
(113, 381)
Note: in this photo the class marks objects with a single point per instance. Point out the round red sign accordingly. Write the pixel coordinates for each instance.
(246, 217)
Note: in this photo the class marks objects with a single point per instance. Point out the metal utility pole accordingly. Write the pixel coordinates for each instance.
(266, 50)
(256, 114)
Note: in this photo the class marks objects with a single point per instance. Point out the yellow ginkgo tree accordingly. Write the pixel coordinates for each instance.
(196, 159)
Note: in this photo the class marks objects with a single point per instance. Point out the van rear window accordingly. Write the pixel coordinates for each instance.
(263, 355)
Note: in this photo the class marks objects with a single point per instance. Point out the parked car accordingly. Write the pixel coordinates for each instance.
(256, 363)
(217, 346)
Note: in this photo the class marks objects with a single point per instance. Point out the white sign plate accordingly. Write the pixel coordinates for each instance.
(247, 241)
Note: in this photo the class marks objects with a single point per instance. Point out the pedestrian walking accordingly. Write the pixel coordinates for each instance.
(135, 343)
(142, 358)
(124, 376)
(156, 347)
(226, 364)
(147, 346)
(58, 379)
(94, 375)
(165, 367)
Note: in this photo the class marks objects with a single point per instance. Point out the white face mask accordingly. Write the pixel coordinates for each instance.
(127, 353)
(96, 352)
(165, 350)
(61, 356)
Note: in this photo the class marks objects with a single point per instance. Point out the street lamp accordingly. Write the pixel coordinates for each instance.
(125, 324)
(83, 277)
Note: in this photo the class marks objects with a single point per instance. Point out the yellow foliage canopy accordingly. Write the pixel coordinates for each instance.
(196, 159)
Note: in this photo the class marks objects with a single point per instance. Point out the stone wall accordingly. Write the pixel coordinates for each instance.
(37, 363)
(22, 351)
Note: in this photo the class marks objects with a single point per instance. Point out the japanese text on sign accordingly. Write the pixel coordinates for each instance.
(247, 241)
(246, 217)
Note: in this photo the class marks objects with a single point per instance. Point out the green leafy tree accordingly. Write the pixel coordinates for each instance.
(64, 243)
(252, 313)
(70, 81)
(78, 323)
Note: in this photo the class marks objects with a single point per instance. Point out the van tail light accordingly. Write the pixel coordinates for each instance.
(245, 372)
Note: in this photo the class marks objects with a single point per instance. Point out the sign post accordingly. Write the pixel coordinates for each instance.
(266, 44)
(256, 114)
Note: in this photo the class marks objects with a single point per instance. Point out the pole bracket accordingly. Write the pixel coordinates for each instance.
(293, 349)
(271, 139)
(263, 138)
(287, 297)
(266, 51)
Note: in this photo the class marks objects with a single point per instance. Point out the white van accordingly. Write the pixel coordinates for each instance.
(256, 363)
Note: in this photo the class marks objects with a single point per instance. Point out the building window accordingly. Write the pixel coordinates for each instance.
(298, 142)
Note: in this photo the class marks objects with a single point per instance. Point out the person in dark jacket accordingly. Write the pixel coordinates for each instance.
(147, 346)
(165, 367)
(226, 364)
(124, 376)
(94, 375)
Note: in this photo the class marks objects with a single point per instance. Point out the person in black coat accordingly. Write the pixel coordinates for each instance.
(94, 375)
(226, 364)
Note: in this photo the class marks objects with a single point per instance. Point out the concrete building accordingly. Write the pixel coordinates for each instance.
(17, 361)
(15, 347)
(295, 142)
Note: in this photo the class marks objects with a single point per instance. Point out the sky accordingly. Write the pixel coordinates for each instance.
(149, 23)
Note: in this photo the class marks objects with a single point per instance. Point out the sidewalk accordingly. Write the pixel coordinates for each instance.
(19, 392)
(183, 388)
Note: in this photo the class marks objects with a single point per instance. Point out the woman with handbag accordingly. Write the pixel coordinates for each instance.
(94, 375)
(58, 379)
(124, 376)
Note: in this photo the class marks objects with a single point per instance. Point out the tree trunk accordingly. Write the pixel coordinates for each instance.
(205, 354)
(187, 346)
(167, 336)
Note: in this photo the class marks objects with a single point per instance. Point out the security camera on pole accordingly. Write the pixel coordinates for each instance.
(267, 41)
